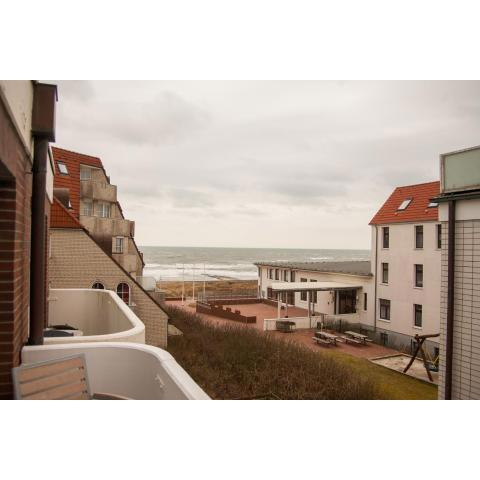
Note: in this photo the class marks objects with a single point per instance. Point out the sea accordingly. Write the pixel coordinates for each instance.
(176, 263)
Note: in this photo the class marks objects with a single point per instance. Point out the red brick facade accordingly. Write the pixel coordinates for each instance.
(15, 195)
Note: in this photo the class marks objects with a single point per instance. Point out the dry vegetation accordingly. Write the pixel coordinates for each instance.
(231, 362)
(174, 289)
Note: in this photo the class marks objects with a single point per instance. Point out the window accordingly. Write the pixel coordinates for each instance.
(292, 276)
(384, 272)
(85, 173)
(386, 237)
(98, 286)
(87, 209)
(123, 291)
(62, 168)
(439, 236)
(365, 301)
(418, 236)
(417, 321)
(303, 295)
(432, 205)
(103, 210)
(405, 204)
(118, 245)
(419, 275)
(384, 309)
(285, 275)
(276, 274)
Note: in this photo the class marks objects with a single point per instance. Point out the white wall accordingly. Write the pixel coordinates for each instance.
(19, 95)
(325, 300)
(401, 257)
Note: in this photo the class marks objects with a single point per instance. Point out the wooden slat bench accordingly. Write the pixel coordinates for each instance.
(322, 341)
(61, 379)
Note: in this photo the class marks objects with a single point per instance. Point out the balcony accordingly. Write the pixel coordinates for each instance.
(136, 371)
(101, 191)
(108, 226)
(98, 316)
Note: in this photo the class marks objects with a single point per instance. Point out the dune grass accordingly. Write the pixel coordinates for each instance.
(232, 362)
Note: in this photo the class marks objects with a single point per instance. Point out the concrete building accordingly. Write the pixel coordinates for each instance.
(77, 261)
(350, 304)
(395, 295)
(82, 181)
(459, 213)
(406, 257)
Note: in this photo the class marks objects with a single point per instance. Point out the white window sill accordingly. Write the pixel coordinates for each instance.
(418, 288)
(384, 320)
(417, 328)
(384, 284)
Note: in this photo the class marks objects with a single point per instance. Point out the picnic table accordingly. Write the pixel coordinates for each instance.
(355, 337)
(325, 338)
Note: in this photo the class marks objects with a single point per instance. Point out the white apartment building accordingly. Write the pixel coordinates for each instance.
(395, 295)
(406, 259)
(351, 304)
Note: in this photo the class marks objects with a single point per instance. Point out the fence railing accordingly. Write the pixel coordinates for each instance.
(216, 295)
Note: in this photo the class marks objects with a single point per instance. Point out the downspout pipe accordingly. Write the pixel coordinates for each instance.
(450, 300)
(38, 242)
(375, 280)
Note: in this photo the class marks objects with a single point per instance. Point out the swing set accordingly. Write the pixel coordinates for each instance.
(431, 364)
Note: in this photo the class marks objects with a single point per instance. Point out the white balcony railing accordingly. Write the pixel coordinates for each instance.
(98, 316)
(136, 371)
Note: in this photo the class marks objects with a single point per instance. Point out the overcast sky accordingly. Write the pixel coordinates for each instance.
(264, 164)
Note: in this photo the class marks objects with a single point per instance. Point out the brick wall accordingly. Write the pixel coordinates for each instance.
(466, 336)
(77, 262)
(15, 195)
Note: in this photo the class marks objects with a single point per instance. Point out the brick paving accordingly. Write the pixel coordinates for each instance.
(302, 337)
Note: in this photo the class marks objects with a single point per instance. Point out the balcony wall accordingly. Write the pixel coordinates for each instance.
(99, 314)
(136, 371)
(100, 191)
(108, 226)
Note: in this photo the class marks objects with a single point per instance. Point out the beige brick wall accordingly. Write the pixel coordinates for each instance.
(76, 261)
(466, 336)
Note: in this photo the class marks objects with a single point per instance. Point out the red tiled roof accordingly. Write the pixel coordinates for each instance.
(72, 181)
(60, 217)
(417, 211)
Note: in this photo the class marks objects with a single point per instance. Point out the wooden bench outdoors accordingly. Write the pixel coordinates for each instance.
(352, 340)
(61, 379)
(322, 341)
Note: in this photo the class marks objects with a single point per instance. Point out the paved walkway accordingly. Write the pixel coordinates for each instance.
(303, 336)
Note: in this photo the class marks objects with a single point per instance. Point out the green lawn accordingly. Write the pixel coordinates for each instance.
(232, 362)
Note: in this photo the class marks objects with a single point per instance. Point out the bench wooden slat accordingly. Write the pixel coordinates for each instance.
(46, 383)
(59, 393)
(33, 372)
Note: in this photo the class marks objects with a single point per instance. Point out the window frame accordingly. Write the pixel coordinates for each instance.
(438, 232)
(385, 270)
(101, 210)
(387, 309)
(84, 203)
(416, 273)
(365, 301)
(124, 293)
(277, 274)
(386, 235)
(303, 294)
(98, 283)
(285, 275)
(418, 228)
(84, 169)
(122, 242)
(60, 165)
(415, 311)
(292, 275)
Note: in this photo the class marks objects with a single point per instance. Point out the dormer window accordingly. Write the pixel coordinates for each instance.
(62, 168)
(432, 205)
(405, 204)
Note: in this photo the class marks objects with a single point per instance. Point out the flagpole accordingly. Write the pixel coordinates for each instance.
(193, 282)
(183, 284)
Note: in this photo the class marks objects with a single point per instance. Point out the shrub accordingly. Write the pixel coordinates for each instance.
(233, 362)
